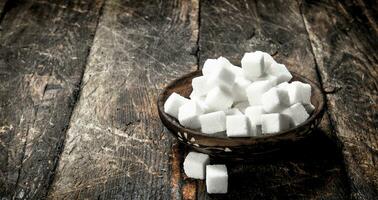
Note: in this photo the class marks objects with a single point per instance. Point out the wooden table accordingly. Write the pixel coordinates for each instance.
(79, 82)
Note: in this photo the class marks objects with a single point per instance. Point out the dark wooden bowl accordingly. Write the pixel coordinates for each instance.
(243, 147)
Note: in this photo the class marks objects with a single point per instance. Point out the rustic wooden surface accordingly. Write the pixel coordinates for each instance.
(79, 81)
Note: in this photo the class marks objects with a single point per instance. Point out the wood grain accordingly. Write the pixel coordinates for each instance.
(43, 50)
(344, 41)
(303, 171)
(116, 146)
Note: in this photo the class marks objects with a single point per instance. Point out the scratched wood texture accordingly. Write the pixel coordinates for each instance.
(79, 81)
(43, 51)
(116, 146)
(345, 41)
(276, 27)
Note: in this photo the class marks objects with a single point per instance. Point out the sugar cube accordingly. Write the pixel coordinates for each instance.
(281, 72)
(275, 122)
(297, 113)
(216, 179)
(269, 77)
(199, 85)
(239, 88)
(209, 66)
(241, 106)
(253, 65)
(274, 99)
(195, 96)
(237, 126)
(299, 93)
(213, 122)
(268, 59)
(219, 99)
(283, 85)
(222, 77)
(195, 165)
(233, 111)
(256, 90)
(173, 103)
(309, 108)
(254, 115)
(189, 113)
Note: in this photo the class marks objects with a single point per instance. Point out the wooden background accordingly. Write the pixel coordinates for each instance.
(79, 81)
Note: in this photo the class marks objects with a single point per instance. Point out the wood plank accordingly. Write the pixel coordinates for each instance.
(230, 28)
(43, 50)
(344, 42)
(116, 146)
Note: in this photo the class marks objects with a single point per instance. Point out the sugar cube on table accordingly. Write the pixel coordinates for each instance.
(297, 113)
(281, 72)
(241, 106)
(233, 111)
(173, 103)
(253, 65)
(238, 90)
(237, 126)
(195, 165)
(299, 92)
(216, 179)
(274, 100)
(219, 99)
(189, 113)
(199, 85)
(256, 89)
(222, 77)
(275, 122)
(254, 115)
(213, 122)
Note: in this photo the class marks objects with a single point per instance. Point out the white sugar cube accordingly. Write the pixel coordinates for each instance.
(233, 111)
(306, 93)
(241, 106)
(274, 99)
(213, 122)
(297, 113)
(195, 165)
(281, 72)
(253, 65)
(209, 66)
(237, 126)
(273, 123)
(254, 114)
(189, 113)
(222, 77)
(299, 93)
(309, 108)
(269, 77)
(194, 96)
(216, 179)
(219, 99)
(256, 90)
(238, 90)
(173, 103)
(283, 85)
(268, 59)
(199, 85)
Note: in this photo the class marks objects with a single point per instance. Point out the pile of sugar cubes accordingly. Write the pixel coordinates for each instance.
(197, 165)
(242, 102)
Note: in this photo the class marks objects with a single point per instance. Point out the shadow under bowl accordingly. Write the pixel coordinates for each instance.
(238, 148)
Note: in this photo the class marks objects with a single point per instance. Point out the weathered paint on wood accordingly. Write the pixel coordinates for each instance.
(116, 146)
(344, 41)
(230, 28)
(43, 51)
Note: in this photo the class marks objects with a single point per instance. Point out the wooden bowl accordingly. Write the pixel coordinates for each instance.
(242, 147)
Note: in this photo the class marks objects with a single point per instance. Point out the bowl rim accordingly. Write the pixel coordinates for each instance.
(160, 106)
